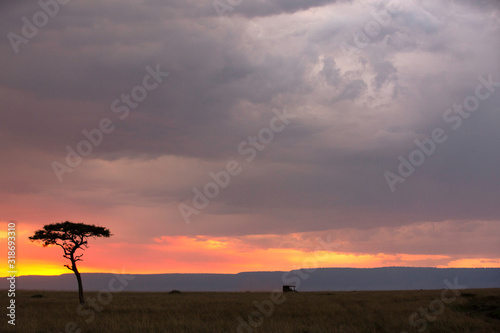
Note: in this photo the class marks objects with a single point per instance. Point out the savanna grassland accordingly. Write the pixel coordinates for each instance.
(355, 311)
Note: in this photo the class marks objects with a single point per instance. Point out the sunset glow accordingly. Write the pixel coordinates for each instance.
(202, 254)
(269, 138)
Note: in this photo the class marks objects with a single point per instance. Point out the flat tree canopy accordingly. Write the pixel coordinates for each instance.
(68, 233)
(70, 237)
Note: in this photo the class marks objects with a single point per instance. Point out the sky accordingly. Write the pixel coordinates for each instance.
(230, 136)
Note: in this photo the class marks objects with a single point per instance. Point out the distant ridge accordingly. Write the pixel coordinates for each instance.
(321, 279)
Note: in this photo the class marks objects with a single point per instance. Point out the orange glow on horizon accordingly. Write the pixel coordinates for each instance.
(202, 254)
(475, 263)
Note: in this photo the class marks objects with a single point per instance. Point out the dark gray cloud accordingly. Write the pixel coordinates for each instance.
(353, 116)
(352, 90)
(251, 9)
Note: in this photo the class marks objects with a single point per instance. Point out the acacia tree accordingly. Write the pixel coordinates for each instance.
(71, 237)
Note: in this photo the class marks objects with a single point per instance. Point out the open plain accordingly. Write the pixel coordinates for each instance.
(473, 310)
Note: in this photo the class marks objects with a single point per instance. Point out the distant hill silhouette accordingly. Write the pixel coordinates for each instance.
(321, 279)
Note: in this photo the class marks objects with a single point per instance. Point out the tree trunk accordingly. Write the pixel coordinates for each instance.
(79, 279)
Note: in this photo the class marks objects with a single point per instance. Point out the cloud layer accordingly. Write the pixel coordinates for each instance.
(362, 80)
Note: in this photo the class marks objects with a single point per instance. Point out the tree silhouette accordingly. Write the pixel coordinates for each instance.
(71, 237)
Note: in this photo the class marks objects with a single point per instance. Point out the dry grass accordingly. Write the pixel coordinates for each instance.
(362, 311)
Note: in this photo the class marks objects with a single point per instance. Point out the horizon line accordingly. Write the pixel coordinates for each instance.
(216, 273)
